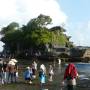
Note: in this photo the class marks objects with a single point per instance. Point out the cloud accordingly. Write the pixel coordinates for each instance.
(32, 8)
(79, 33)
(22, 11)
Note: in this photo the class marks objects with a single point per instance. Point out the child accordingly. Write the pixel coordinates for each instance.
(42, 78)
(28, 75)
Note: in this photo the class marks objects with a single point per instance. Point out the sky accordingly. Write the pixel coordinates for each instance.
(78, 24)
(74, 15)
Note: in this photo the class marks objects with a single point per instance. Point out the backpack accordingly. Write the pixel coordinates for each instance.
(69, 77)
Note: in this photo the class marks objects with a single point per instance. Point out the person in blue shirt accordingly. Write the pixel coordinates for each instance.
(42, 77)
(28, 75)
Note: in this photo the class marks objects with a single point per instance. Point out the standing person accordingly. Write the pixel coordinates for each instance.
(15, 70)
(1, 72)
(59, 61)
(51, 73)
(35, 65)
(42, 77)
(11, 71)
(59, 65)
(5, 71)
(42, 66)
(70, 76)
(34, 69)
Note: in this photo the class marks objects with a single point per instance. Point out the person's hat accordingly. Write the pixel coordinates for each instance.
(14, 60)
(11, 63)
(27, 67)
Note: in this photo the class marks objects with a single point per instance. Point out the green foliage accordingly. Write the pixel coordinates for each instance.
(10, 28)
(41, 36)
(33, 35)
(58, 37)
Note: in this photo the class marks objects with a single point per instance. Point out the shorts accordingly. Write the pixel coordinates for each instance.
(27, 79)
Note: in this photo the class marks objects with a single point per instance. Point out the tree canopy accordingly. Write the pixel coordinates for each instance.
(34, 36)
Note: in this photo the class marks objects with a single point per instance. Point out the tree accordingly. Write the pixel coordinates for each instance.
(36, 33)
(11, 36)
(10, 28)
(41, 21)
(34, 36)
(58, 36)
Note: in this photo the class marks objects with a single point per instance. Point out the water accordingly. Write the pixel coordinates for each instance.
(84, 75)
(83, 67)
(83, 70)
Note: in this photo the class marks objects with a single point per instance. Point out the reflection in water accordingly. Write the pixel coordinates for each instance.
(54, 63)
(59, 68)
(83, 77)
(83, 67)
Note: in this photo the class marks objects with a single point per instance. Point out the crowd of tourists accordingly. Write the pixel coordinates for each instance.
(70, 75)
(30, 73)
(9, 73)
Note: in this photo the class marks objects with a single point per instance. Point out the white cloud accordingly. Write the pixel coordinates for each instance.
(24, 10)
(80, 33)
(32, 8)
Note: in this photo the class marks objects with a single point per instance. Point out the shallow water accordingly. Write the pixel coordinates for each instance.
(82, 82)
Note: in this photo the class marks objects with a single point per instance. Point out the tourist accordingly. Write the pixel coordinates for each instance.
(70, 76)
(5, 71)
(15, 69)
(42, 77)
(34, 69)
(35, 65)
(1, 72)
(59, 61)
(42, 66)
(28, 75)
(59, 65)
(51, 73)
(11, 71)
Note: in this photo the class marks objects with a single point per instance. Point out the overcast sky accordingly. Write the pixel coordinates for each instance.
(74, 14)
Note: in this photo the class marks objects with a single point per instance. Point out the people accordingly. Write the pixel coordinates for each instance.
(12, 68)
(42, 66)
(51, 73)
(15, 69)
(34, 69)
(1, 72)
(42, 77)
(28, 75)
(59, 61)
(5, 71)
(70, 76)
(35, 65)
